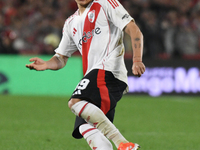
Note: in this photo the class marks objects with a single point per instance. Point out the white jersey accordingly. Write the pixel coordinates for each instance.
(98, 35)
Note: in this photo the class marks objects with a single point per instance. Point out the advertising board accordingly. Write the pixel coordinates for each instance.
(160, 78)
(16, 79)
(166, 77)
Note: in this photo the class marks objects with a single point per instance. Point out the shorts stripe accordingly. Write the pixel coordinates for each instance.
(105, 98)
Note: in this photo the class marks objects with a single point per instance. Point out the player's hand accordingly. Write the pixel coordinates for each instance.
(38, 64)
(138, 68)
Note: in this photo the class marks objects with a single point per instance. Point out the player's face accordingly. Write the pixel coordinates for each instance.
(83, 3)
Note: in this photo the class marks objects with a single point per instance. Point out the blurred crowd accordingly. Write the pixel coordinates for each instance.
(32, 27)
(171, 28)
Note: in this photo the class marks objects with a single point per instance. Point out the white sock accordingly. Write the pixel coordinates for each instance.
(94, 116)
(95, 138)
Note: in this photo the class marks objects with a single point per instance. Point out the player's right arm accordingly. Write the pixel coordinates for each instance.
(57, 62)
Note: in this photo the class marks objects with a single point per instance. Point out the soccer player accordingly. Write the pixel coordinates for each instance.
(96, 29)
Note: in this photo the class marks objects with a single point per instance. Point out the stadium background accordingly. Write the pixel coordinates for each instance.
(171, 40)
(33, 110)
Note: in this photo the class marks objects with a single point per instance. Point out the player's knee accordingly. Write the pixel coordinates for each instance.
(72, 102)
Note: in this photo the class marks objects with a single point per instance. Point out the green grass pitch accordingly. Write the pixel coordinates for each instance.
(46, 123)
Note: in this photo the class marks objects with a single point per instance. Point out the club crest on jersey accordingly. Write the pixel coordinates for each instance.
(91, 16)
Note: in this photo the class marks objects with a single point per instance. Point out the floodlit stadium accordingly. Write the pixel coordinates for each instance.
(162, 107)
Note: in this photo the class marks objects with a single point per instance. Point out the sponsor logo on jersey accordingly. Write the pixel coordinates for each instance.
(91, 16)
(125, 16)
(88, 35)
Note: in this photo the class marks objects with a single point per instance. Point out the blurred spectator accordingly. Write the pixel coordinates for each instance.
(171, 28)
(153, 42)
(186, 38)
(6, 42)
(35, 24)
(166, 33)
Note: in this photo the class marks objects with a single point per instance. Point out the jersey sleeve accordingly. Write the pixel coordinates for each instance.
(116, 13)
(67, 46)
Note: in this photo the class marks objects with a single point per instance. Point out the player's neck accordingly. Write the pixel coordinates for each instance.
(81, 10)
(83, 6)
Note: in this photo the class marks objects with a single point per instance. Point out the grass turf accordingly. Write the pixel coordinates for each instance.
(46, 123)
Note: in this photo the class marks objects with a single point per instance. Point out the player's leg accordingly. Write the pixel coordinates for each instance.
(95, 139)
(95, 117)
(93, 114)
(93, 136)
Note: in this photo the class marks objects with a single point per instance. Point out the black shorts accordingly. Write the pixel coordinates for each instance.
(101, 88)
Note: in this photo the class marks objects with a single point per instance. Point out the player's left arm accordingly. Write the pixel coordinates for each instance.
(136, 35)
(119, 16)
